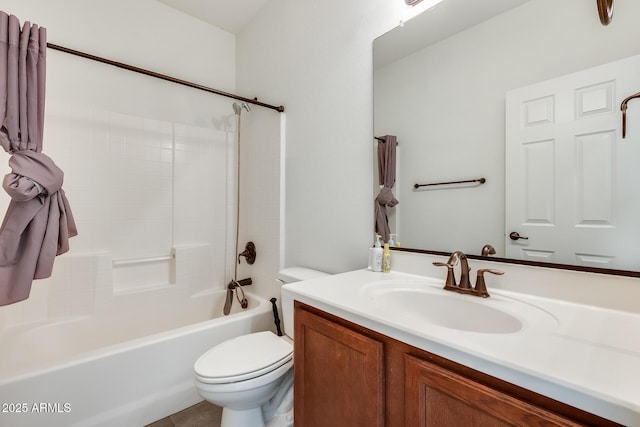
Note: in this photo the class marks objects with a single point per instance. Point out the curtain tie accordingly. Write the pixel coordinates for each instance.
(386, 197)
(31, 172)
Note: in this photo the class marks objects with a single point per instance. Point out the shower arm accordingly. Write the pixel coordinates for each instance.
(623, 108)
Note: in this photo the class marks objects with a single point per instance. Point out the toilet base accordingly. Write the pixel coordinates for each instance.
(281, 420)
(246, 417)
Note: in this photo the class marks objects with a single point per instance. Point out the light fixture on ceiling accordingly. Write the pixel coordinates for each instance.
(417, 7)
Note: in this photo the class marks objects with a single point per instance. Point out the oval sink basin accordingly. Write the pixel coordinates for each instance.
(422, 303)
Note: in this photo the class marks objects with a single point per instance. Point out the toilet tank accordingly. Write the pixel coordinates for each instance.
(290, 275)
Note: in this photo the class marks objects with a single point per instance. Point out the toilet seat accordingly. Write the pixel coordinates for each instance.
(243, 358)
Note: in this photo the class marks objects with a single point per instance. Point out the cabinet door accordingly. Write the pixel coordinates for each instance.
(339, 375)
(438, 397)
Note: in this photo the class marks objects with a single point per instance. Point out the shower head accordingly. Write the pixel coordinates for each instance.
(237, 108)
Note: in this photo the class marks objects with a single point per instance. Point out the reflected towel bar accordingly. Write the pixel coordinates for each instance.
(479, 180)
(381, 139)
(119, 262)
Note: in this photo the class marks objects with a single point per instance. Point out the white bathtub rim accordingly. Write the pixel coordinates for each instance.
(132, 344)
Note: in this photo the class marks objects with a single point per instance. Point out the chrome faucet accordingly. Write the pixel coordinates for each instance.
(464, 286)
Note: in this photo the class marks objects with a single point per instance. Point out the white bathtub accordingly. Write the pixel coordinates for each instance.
(119, 367)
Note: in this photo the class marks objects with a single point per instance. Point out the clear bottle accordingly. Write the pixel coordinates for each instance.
(375, 256)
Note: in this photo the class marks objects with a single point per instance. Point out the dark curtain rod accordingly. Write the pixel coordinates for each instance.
(162, 76)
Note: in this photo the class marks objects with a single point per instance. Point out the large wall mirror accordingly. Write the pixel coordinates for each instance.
(525, 94)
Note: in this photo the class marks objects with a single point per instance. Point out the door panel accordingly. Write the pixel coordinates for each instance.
(569, 177)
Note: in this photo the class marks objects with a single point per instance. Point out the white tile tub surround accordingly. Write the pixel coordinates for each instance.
(193, 50)
(139, 188)
(138, 185)
(83, 284)
(75, 285)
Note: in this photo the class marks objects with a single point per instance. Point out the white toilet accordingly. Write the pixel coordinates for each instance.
(251, 376)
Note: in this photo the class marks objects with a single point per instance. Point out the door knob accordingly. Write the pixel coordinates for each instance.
(514, 235)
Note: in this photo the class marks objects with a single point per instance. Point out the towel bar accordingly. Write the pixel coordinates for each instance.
(119, 262)
(479, 180)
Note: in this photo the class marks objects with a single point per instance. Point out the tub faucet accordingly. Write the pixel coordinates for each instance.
(464, 287)
(236, 285)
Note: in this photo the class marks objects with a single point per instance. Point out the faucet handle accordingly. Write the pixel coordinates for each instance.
(450, 281)
(481, 286)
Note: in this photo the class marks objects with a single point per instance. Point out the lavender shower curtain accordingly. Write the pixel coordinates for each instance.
(387, 174)
(38, 222)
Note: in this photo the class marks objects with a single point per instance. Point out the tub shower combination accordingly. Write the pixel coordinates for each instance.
(129, 361)
(123, 366)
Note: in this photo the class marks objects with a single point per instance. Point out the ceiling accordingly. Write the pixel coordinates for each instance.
(229, 15)
(441, 21)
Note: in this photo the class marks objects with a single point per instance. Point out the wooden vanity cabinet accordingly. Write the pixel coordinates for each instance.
(348, 375)
(438, 397)
(339, 374)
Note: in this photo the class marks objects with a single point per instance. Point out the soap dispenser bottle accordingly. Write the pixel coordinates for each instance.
(375, 256)
(386, 259)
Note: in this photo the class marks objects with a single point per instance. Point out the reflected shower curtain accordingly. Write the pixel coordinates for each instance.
(387, 178)
(38, 222)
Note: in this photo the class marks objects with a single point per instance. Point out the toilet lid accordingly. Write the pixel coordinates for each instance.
(243, 357)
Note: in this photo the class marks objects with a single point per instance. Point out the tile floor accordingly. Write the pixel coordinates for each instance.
(203, 414)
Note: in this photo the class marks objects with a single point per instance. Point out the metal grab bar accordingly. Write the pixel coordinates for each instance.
(480, 180)
(119, 262)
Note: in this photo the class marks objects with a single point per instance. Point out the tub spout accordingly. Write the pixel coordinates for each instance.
(236, 285)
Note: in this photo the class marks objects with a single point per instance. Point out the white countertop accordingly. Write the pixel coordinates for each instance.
(588, 357)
